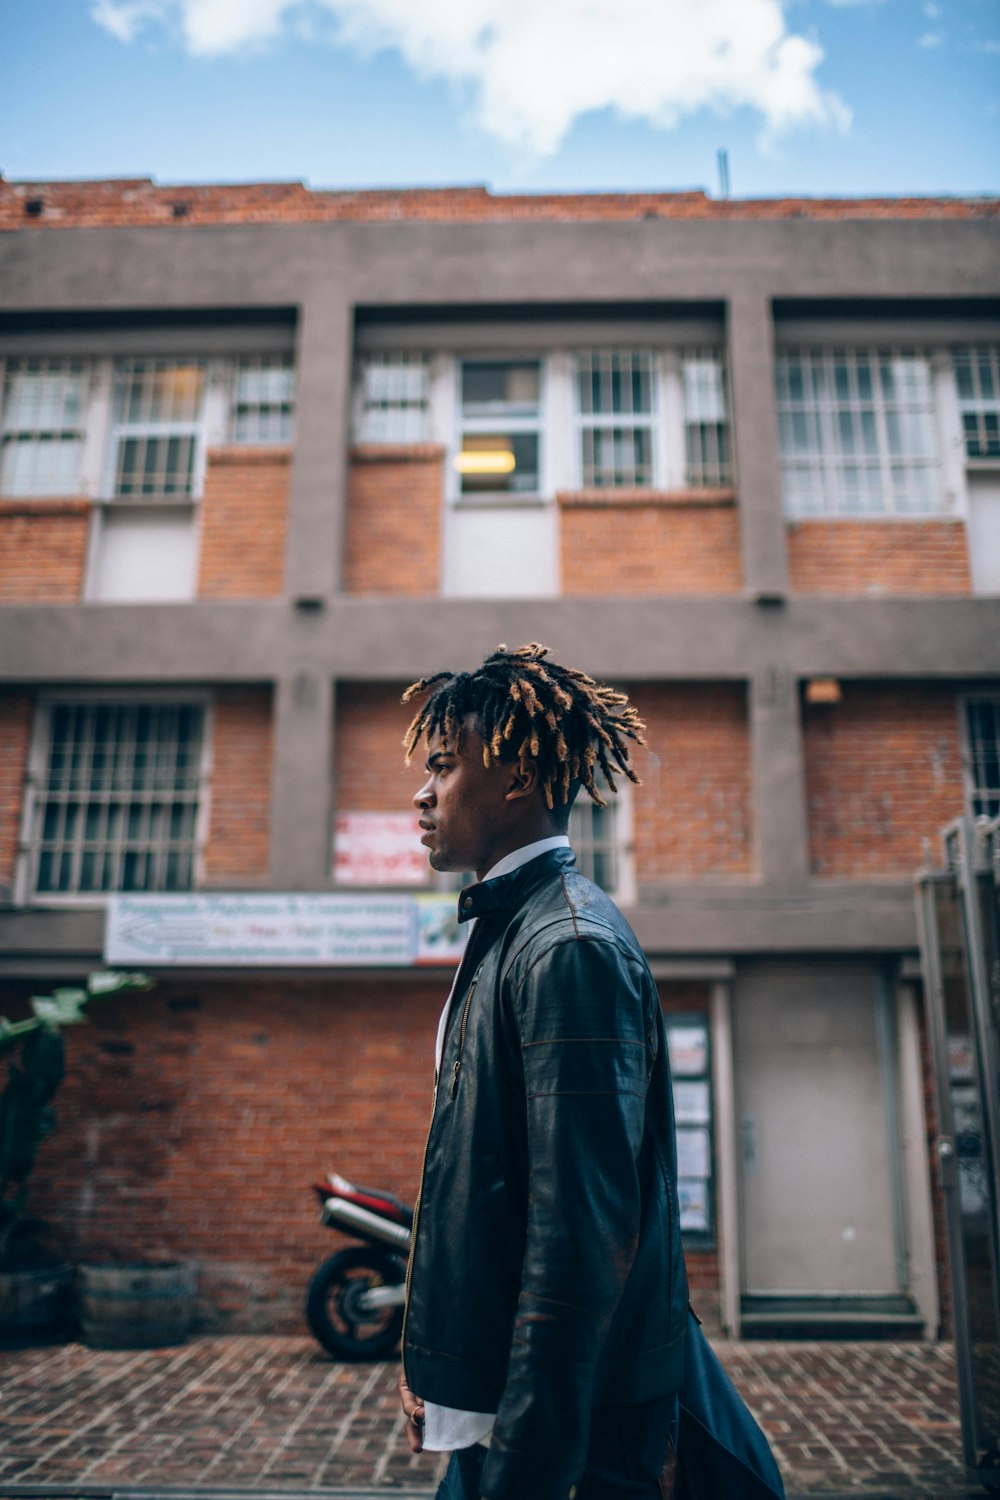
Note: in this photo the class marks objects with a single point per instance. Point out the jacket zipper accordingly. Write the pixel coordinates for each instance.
(457, 1065)
(423, 1165)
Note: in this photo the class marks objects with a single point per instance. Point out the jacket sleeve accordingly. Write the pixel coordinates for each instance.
(580, 1018)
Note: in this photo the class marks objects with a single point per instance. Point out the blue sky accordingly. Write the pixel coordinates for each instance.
(807, 96)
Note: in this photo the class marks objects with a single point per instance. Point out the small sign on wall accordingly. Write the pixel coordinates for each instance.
(374, 848)
(283, 931)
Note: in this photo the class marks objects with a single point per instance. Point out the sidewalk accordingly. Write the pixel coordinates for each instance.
(275, 1415)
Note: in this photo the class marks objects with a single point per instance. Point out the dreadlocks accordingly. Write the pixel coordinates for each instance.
(525, 706)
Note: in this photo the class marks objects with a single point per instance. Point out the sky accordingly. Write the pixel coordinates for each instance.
(817, 97)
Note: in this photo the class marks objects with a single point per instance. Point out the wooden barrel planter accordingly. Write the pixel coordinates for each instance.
(136, 1306)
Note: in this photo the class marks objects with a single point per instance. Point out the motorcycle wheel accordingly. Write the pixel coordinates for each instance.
(345, 1329)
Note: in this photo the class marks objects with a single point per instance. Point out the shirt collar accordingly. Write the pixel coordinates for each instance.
(501, 891)
(518, 857)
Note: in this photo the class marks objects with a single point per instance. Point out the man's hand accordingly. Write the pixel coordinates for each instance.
(413, 1410)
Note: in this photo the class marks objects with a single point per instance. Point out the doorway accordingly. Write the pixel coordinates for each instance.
(821, 1185)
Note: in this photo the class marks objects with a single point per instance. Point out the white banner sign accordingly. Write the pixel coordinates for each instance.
(374, 848)
(283, 930)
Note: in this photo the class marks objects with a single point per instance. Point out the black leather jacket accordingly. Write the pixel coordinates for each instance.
(546, 1275)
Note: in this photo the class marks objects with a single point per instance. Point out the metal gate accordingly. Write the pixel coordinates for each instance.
(958, 910)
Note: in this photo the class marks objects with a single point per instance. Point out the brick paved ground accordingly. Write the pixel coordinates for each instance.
(274, 1414)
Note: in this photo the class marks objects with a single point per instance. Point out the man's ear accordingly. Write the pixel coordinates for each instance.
(522, 781)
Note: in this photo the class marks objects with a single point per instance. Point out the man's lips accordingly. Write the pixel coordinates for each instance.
(428, 830)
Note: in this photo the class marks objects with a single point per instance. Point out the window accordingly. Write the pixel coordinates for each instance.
(44, 418)
(593, 835)
(706, 420)
(263, 399)
(691, 1066)
(392, 403)
(602, 841)
(614, 395)
(501, 418)
(982, 727)
(114, 797)
(857, 433)
(157, 439)
(977, 377)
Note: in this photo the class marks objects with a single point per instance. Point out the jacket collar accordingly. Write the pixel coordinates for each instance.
(507, 892)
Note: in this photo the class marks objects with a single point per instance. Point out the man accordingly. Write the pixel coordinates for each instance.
(546, 1305)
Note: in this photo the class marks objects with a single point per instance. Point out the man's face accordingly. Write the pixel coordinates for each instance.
(467, 817)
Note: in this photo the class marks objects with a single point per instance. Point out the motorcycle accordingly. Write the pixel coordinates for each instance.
(354, 1305)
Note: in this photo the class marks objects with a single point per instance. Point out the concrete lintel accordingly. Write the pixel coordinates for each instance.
(391, 639)
(413, 263)
(689, 932)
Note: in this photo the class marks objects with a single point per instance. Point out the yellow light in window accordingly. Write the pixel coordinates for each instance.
(485, 461)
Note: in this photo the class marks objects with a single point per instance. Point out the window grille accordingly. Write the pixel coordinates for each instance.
(263, 399)
(44, 416)
(983, 767)
(501, 426)
(394, 399)
(595, 835)
(707, 457)
(615, 403)
(977, 378)
(158, 429)
(857, 433)
(115, 806)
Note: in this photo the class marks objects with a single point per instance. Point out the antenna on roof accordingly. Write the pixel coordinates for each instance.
(722, 158)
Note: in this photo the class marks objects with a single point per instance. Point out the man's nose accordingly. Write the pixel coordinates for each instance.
(423, 798)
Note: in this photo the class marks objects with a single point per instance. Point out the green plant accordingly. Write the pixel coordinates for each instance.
(35, 1071)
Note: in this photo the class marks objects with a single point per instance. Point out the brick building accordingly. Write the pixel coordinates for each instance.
(267, 455)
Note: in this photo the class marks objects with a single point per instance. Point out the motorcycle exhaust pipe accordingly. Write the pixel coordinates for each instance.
(353, 1216)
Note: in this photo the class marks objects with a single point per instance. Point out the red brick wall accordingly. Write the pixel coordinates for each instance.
(15, 736)
(643, 543)
(694, 811)
(194, 1119)
(244, 518)
(368, 770)
(878, 557)
(395, 503)
(43, 550)
(240, 806)
(883, 775)
(139, 200)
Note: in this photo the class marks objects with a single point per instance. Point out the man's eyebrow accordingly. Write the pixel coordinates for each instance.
(436, 756)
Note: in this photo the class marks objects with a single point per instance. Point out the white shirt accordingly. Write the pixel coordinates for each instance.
(446, 1427)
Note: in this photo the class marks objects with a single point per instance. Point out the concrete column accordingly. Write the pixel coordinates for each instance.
(319, 469)
(779, 778)
(301, 782)
(755, 427)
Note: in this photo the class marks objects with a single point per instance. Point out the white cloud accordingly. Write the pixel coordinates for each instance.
(932, 10)
(535, 66)
(930, 39)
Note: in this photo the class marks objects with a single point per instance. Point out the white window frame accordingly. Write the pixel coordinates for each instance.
(257, 413)
(501, 422)
(968, 750)
(978, 405)
(37, 770)
(825, 459)
(123, 430)
(626, 423)
(621, 842)
(56, 367)
(373, 420)
(716, 472)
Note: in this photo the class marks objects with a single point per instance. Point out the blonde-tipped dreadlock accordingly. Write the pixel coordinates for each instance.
(524, 706)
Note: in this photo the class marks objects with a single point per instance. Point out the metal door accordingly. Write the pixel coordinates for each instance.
(820, 1179)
